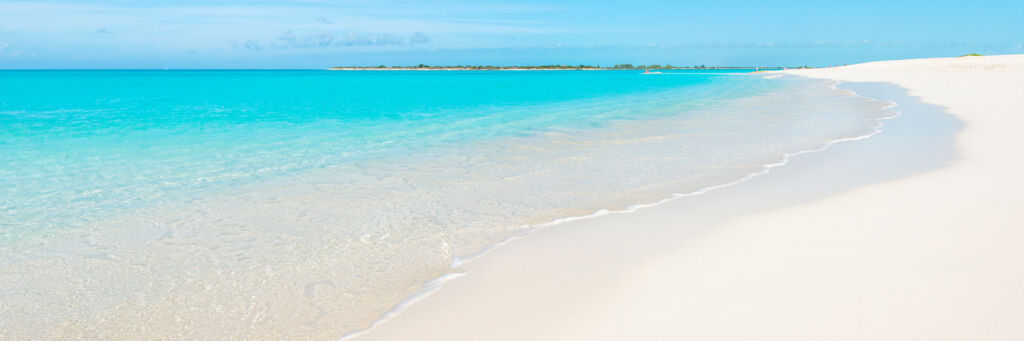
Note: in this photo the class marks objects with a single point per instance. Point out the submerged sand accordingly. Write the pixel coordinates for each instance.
(889, 238)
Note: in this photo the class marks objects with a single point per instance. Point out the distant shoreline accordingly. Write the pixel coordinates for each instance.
(520, 68)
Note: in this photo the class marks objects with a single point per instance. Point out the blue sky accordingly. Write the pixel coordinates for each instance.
(323, 33)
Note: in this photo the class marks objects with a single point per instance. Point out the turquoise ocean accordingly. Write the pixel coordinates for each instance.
(308, 204)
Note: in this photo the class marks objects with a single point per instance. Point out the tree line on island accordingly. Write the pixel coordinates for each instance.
(550, 67)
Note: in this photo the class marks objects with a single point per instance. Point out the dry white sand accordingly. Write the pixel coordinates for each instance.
(938, 255)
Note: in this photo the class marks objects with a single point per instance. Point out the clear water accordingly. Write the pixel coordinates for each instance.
(306, 203)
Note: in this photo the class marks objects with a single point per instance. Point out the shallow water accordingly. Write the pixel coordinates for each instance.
(306, 203)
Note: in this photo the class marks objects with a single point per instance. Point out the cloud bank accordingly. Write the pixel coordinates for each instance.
(290, 40)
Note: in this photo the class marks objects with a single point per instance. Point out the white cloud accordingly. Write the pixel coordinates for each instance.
(314, 40)
(356, 39)
(9, 50)
(252, 45)
(418, 38)
(326, 39)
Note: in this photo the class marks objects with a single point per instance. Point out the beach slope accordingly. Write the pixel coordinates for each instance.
(932, 255)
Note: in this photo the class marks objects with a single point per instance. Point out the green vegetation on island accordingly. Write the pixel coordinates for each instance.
(554, 67)
(971, 55)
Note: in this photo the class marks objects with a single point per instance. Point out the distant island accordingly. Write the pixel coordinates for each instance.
(424, 67)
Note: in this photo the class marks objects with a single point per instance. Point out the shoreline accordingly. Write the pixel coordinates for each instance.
(434, 310)
(436, 284)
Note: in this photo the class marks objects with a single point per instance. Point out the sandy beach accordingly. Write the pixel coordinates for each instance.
(912, 234)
